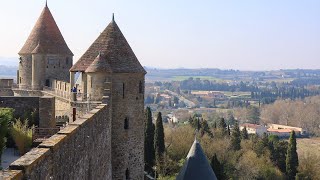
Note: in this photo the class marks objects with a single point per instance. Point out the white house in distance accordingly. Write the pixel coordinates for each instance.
(284, 131)
(211, 94)
(172, 118)
(254, 128)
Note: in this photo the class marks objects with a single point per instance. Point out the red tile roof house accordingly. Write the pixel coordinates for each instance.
(254, 128)
(284, 131)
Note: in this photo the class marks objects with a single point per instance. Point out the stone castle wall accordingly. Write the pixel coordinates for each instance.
(57, 67)
(127, 143)
(6, 87)
(80, 151)
(22, 105)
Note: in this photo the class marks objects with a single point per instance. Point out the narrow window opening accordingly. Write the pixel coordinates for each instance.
(48, 83)
(127, 174)
(140, 87)
(67, 60)
(126, 123)
(20, 80)
(123, 90)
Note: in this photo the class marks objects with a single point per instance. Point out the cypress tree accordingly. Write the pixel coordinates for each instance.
(292, 161)
(149, 153)
(222, 126)
(244, 133)
(204, 128)
(216, 166)
(235, 138)
(214, 125)
(159, 137)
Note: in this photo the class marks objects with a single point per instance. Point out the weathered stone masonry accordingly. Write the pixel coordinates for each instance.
(80, 151)
(44, 105)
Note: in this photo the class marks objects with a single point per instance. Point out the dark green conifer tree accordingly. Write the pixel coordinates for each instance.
(217, 167)
(214, 125)
(292, 161)
(236, 138)
(244, 133)
(204, 128)
(222, 126)
(159, 137)
(149, 153)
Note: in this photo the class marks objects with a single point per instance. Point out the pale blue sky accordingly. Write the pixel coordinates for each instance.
(227, 34)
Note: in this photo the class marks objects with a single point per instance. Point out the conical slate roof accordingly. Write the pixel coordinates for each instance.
(196, 165)
(100, 64)
(113, 45)
(46, 31)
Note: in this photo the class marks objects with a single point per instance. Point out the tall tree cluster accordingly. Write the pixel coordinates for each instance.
(149, 152)
(154, 144)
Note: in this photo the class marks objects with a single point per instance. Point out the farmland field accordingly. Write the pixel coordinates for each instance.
(308, 146)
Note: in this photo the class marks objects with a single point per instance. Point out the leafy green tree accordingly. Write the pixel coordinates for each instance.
(201, 125)
(292, 161)
(278, 151)
(149, 152)
(204, 128)
(236, 138)
(222, 126)
(244, 133)
(253, 114)
(159, 137)
(6, 115)
(261, 145)
(214, 125)
(217, 167)
(231, 120)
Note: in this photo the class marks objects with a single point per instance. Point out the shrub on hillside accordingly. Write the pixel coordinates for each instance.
(22, 135)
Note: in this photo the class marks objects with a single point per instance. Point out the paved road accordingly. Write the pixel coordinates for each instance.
(181, 98)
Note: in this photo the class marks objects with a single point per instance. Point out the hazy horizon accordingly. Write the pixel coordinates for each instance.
(247, 35)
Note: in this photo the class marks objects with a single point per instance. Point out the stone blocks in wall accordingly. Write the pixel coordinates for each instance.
(22, 105)
(6, 92)
(82, 150)
(127, 144)
(47, 112)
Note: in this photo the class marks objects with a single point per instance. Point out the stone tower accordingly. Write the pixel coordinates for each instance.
(110, 69)
(45, 55)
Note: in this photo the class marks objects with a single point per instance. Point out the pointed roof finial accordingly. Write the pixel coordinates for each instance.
(46, 3)
(112, 17)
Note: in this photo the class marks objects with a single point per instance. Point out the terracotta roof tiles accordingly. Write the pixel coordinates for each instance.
(100, 64)
(46, 31)
(115, 48)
